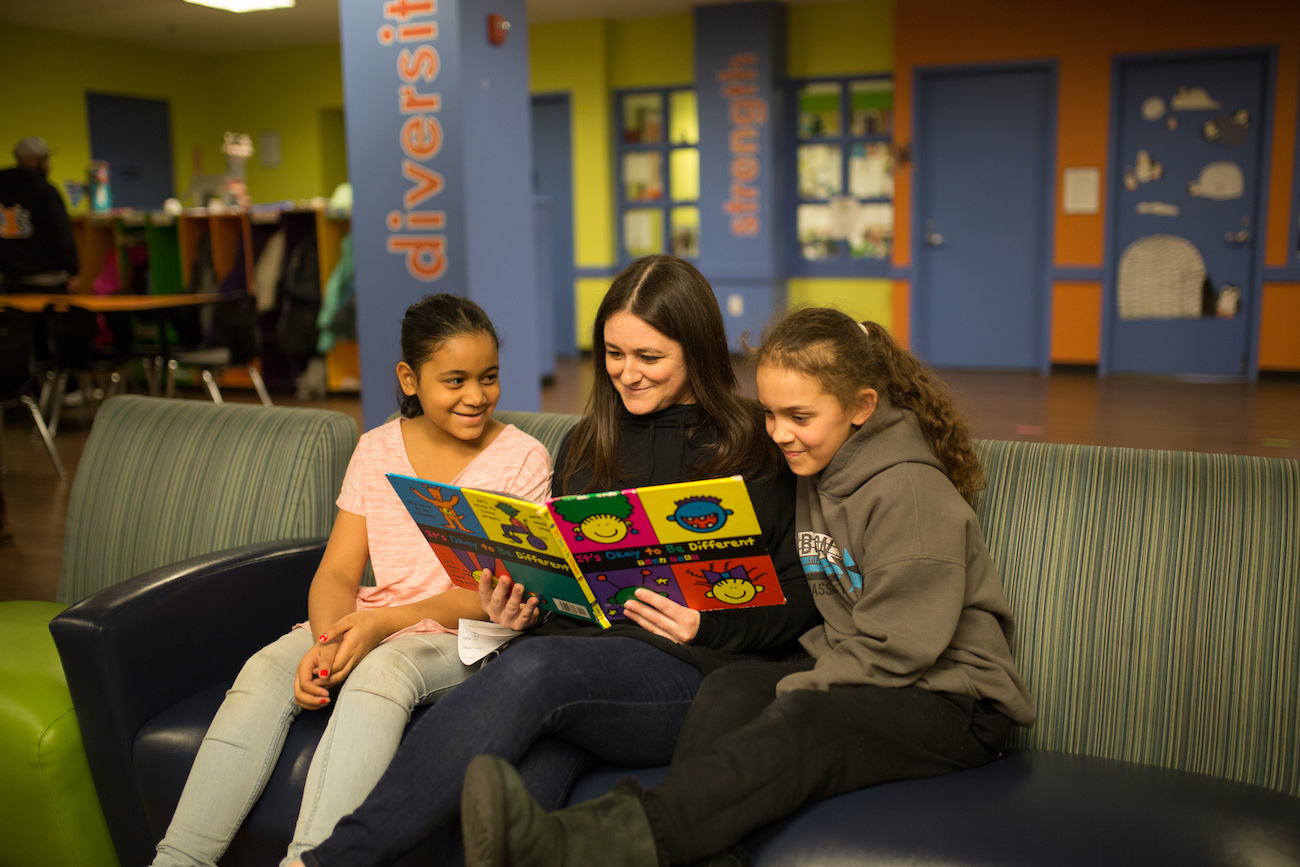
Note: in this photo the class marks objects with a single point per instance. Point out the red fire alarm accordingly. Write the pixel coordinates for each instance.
(498, 27)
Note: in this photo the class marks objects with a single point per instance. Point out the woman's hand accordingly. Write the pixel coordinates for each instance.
(309, 690)
(505, 604)
(354, 635)
(663, 616)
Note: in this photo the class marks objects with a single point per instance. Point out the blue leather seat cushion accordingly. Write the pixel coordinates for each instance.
(1030, 808)
(164, 751)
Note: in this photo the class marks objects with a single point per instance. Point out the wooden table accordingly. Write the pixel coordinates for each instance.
(37, 302)
(156, 307)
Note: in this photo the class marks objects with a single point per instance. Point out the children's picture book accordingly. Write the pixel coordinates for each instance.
(698, 543)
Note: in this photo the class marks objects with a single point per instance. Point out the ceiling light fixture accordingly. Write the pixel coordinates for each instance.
(244, 5)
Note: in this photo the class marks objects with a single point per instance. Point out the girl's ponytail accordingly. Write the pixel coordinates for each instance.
(909, 385)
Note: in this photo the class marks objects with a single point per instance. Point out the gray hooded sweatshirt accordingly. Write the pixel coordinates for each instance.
(900, 573)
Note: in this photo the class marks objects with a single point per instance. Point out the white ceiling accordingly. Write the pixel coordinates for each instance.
(174, 25)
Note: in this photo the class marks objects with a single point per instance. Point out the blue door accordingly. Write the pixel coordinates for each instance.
(983, 207)
(553, 178)
(134, 136)
(1182, 277)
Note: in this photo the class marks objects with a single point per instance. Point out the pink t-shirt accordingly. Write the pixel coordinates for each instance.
(406, 569)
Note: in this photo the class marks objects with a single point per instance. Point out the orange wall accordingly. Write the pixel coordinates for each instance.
(1279, 345)
(1082, 38)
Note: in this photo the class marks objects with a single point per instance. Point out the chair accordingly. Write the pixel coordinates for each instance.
(72, 333)
(161, 483)
(16, 375)
(148, 664)
(234, 321)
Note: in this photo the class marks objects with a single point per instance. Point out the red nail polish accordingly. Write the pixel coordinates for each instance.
(324, 672)
(324, 638)
(324, 701)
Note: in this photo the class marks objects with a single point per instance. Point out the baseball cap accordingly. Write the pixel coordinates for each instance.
(31, 146)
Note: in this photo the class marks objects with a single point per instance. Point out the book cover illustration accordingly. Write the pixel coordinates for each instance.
(471, 531)
(698, 543)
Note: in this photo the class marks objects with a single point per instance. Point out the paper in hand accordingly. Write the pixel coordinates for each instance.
(478, 638)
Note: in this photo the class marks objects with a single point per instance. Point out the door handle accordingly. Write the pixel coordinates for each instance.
(934, 239)
(1237, 237)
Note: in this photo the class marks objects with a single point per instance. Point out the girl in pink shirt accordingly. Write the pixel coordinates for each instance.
(376, 652)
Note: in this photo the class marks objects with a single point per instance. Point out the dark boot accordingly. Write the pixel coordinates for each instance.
(505, 827)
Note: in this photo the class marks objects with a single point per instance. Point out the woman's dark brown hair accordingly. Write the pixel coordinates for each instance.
(673, 298)
(845, 357)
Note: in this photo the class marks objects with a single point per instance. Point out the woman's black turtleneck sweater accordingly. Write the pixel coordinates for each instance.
(659, 448)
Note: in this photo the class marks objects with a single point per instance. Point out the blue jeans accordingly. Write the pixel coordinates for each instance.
(244, 741)
(619, 699)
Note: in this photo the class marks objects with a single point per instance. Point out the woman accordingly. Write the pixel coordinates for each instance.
(665, 407)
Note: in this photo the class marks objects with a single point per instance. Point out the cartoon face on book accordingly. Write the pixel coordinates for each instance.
(674, 540)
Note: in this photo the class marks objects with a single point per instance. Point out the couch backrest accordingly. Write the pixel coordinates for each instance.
(548, 428)
(161, 481)
(1157, 603)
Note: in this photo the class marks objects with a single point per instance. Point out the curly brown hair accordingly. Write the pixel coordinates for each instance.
(846, 356)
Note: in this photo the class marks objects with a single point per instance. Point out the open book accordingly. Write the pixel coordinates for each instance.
(698, 543)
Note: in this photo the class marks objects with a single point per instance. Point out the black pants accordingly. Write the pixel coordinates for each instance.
(40, 332)
(746, 757)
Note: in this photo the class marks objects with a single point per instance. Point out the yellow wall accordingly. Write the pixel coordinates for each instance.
(569, 57)
(861, 299)
(842, 38)
(652, 52)
(47, 76)
(282, 90)
(285, 89)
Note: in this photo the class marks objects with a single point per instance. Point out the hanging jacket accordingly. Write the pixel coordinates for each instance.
(338, 312)
(299, 293)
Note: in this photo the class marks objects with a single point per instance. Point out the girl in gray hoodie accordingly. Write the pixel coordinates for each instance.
(909, 675)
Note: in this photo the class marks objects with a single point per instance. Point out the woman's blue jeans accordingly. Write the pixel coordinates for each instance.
(619, 699)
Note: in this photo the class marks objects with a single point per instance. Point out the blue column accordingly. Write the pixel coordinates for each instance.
(439, 151)
(739, 73)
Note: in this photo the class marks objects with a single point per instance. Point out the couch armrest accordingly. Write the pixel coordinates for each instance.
(136, 648)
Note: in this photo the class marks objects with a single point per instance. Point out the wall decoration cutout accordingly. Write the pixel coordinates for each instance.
(1193, 99)
(1144, 171)
(1153, 108)
(1147, 169)
(1229, 302)
(1171, 122)
(1157, 209)
(1218, 181)
(1227, 129)
(1160, 277)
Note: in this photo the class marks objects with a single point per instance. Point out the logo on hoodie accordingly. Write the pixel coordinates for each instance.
(822, 559)
(15, 222)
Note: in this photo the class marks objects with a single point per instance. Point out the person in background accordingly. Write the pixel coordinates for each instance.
(37, 250)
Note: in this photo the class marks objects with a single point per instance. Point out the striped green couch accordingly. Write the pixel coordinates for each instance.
(1157, 601)
(159, 481)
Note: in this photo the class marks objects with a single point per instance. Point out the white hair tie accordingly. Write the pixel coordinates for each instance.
(863, 326)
